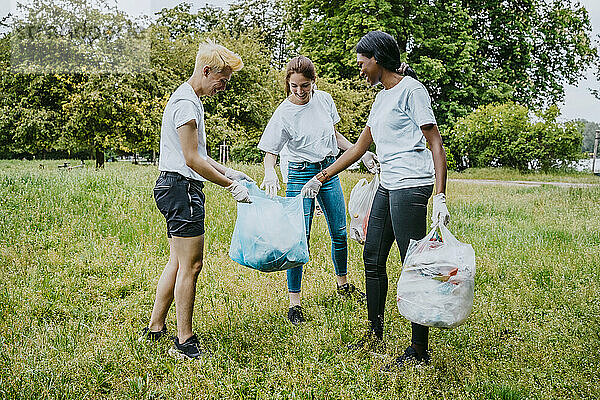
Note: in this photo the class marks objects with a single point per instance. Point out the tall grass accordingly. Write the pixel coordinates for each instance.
(81, 252)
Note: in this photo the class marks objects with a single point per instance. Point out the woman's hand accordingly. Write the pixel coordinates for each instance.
(440, 214)
(271, 182)
(239, 192)
(311, 188)
(371, 162)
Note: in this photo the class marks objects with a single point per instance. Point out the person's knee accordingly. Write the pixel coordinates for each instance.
(370, 259)
(196, 267)
(339, 236)
(374, 267)
(192, 268)
(370, 269)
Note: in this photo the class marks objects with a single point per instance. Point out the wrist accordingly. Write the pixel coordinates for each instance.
(322, 176)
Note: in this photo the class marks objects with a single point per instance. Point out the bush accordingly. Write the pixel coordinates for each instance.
(504, 135)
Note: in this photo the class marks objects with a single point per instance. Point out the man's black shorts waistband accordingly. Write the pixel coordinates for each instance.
(171, 174)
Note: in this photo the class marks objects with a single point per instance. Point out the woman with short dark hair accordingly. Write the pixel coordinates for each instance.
(401, 123)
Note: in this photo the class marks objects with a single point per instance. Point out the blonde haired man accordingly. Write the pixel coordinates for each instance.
(184, 167)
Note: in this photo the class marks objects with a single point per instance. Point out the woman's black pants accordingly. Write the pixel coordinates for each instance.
(398, 215)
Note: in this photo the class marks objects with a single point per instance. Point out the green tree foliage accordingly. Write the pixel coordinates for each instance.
(588, 130)
(328, 31)
(505, 135)
(76, 36)
(468, 53)
(266, 20)
(353, 101)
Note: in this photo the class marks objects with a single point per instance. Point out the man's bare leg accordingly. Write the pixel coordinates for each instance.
(189, 255)
(164, 292)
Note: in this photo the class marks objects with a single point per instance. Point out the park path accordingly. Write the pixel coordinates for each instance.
(525, 183)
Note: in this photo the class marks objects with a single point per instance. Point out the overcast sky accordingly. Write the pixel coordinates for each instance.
(579, 103)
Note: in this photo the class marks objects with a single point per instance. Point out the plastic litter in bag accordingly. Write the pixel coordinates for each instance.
(437, 280)
(359, 207)
(269, 234)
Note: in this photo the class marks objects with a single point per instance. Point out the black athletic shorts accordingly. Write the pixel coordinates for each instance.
(181, 201)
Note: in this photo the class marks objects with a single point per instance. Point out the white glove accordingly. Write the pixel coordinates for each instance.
(311, 188)
(239, 192)
(369, 159)
(402, 68)
(235, 175)
(440, 212)
(271, 182)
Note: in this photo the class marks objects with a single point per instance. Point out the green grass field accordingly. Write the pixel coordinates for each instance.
(81, 252)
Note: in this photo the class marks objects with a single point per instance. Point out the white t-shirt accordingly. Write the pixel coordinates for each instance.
(308, 129)
(182, 107)
(395, 120)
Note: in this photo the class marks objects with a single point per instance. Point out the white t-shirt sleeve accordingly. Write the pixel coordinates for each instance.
(333, 109)
(369, 119)
(419, 106)
(183, 112)
(275, 136)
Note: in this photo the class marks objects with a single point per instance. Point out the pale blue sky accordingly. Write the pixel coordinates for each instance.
(579, 103)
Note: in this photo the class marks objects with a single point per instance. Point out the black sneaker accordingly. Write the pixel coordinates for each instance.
(295, 315)
(349, 290)
(410, 355)
(152, 336)
(189, 350)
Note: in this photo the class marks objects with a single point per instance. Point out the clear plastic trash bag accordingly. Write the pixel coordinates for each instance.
(437, 280)
(269, 234)
(359, 207)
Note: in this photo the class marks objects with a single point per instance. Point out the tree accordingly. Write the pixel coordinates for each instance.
(268, 21)
(468, 53)
(588, 130)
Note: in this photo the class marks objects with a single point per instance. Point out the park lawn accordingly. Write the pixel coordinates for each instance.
(510, 174)
(81, 252)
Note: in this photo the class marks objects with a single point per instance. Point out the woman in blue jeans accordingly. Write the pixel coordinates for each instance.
(401, 123)
(304, 123)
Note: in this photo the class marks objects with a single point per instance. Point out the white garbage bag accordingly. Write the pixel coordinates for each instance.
(359, 207)
(437, 280)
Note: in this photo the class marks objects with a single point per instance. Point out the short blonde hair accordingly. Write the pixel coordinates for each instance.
(216, 56)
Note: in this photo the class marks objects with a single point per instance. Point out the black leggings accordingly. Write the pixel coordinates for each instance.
(401, 215)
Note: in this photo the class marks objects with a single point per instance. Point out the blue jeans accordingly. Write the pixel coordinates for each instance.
(331, 200)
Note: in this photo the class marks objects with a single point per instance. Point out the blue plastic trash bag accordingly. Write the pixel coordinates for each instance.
(269, 234)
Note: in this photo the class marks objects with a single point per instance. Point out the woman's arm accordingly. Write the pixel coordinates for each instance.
(270, 160)
(350, 156)
(432, 134)
(221, 168)
(342, 142)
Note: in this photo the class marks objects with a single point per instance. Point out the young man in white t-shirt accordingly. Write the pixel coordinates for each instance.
(185, 166)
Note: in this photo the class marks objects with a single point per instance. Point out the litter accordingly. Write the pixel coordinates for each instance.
(437, 282)
(269, 233)
(359, 207)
